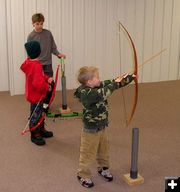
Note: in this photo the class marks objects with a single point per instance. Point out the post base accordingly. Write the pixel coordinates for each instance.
(139, 180)
(65, 111)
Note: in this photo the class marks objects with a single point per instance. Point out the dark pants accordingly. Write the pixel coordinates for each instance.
(36, 111)
(49, 72)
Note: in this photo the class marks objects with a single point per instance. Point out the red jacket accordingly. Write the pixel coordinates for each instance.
(36, 82)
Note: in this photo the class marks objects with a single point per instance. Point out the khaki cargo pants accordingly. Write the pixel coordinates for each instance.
(94, 146)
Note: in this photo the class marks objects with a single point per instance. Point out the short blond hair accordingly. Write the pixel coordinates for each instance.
(37, 17)
(86, 73)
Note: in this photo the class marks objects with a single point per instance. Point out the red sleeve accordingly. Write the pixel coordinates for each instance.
(39, 80)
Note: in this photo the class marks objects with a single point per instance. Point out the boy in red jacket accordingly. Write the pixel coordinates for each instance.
(36, 88)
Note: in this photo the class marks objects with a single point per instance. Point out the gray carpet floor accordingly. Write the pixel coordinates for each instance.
(25, 167)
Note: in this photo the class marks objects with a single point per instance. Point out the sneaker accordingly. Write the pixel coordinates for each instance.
(37, 139)
(46, 134)
(85, 182)
(105, 173)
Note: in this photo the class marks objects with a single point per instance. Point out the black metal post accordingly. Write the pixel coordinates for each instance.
(134, 153)
(63, 83)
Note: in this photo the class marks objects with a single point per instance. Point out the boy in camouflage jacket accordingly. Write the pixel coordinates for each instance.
(93, 95)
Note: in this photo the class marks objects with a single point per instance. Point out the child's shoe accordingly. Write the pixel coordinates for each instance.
(37, 139)
(85, 182)
(104, 172)
(46, 134)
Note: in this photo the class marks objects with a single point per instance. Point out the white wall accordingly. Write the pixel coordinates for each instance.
(87, 32)
(4, 75)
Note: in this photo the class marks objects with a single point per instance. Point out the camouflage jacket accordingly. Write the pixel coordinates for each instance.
(95, 104)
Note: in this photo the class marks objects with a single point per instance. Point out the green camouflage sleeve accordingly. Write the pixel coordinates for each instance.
(106, 82)
(95, 95)
(125, 81)
(77, 94)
